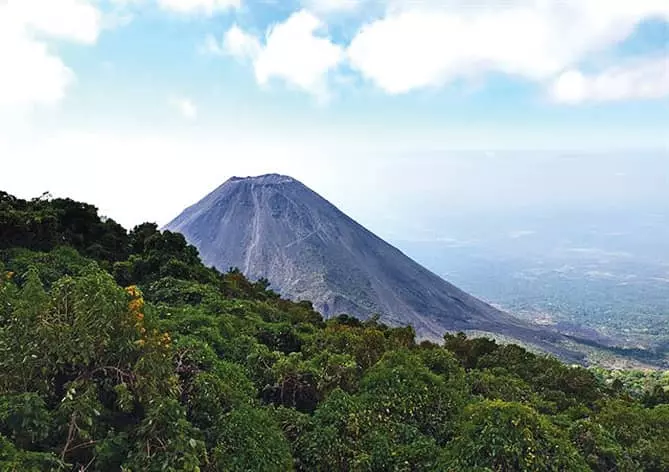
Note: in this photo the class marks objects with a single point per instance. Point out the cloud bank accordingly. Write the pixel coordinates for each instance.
(32, 72)
(417, 44)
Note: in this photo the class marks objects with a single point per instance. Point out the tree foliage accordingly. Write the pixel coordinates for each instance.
(122, 351)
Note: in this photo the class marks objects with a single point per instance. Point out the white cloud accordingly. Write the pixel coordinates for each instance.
(185, 107)
(208, 7)
(641, 79)
(184, 7)
(240, 44)
(331, 6)
(32, 73)
(427, 43)
(431, 43)
(569, 87)
(293, 51)
(75, 20)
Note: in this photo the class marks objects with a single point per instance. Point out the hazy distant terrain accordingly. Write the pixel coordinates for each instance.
(575, 239)
(606, 271)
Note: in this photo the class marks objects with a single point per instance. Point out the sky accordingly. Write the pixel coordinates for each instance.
(141, 107)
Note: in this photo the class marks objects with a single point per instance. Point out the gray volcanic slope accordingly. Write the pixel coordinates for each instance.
(275, 227)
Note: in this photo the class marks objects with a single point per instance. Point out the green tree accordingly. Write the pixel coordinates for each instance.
(503, 437)
(401, 389)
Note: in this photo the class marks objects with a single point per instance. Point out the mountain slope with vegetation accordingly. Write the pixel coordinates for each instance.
(122, 351)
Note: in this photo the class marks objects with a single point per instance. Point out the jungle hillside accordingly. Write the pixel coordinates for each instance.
(121, 351)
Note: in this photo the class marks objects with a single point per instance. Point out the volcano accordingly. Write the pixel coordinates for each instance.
(274, 227)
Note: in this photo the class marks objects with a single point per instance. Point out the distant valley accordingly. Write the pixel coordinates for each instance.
(602, 276)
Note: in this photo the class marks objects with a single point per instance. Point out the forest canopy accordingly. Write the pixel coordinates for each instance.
(122, 351)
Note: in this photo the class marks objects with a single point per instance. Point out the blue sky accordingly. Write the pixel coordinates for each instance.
(189, 92)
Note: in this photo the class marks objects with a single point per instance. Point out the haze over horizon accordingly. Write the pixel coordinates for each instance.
(172, 97)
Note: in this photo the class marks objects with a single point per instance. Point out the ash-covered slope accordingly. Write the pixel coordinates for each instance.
(275, 227)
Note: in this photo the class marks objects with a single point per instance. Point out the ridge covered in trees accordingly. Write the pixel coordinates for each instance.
(122, 351)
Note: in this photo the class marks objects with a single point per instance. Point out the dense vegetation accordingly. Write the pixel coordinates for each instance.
(121, 351)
